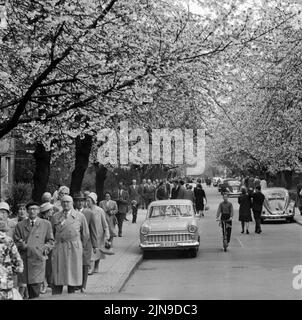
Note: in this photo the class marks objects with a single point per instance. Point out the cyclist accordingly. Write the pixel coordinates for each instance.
(225, 212)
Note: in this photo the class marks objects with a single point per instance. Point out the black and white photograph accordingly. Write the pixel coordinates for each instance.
(151, 150)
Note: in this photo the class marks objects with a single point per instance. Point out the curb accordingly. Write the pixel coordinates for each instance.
(127, 275)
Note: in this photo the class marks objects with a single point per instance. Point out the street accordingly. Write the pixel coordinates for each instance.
(255, 266)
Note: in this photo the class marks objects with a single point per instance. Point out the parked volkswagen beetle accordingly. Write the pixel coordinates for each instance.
(277, 205)
(172, 225)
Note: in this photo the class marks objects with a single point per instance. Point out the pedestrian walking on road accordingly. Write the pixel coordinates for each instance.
(189, 194)
(149, 192)
(161, 192)
(263, 184)
(71, 231)
(143, 199)
(122, 200)
(257, 204)
(91, 243)
(134, 208)
(245, 215)
(102, 229)
(225, 212)
(299, 197)
(111, 209)
(175, 189)
(34, 239)
(200, 197)
(181, 190)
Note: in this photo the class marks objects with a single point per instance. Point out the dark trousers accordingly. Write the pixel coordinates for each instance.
(33, 290)
(228, 229)
(85, 276)
(134, 214)
(59, 289)
(48, 270)
(257, 217)
(120, 219)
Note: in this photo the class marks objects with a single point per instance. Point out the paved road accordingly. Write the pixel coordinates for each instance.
(255, 267)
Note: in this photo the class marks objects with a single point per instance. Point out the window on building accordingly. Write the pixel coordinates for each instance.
(8, 170)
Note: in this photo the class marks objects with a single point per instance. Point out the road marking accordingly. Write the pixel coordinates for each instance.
(241, 244)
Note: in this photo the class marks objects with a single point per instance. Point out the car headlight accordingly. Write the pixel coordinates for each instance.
(145, 230)
(192, 228)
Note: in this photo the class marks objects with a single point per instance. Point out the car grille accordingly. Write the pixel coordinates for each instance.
(169, 237)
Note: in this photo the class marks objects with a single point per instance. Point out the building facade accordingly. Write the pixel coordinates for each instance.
(7, 164)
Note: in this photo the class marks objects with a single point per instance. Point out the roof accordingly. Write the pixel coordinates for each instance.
(171, 202)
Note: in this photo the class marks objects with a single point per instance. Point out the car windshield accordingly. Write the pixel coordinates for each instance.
(171, 211)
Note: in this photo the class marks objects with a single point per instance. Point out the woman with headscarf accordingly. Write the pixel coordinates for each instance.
(245, 214)
(199, 196)
(102, 231)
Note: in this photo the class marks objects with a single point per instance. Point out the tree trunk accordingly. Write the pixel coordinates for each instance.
(42, 170)
(100, 177)
(82, 152)
(288, 179)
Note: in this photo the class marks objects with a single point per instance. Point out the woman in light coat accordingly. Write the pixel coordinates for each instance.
(110, 208)
(102, 231)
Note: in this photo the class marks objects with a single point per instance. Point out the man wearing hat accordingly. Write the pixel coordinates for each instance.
(34, 239)
(71, 231)
(46, 213)
(92, 241)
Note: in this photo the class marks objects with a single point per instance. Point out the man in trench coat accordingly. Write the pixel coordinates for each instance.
(71, 231)
(34, 239)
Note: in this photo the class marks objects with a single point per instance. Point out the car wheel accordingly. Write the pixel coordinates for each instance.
(146, 254)
(262, 221)
(290, 220)
(193, 253)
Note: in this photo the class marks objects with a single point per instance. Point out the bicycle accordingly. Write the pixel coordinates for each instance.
(225, 225)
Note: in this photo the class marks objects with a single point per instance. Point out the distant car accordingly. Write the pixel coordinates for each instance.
(216, 181)
(277, 205)
(231, 187)
(172, 225)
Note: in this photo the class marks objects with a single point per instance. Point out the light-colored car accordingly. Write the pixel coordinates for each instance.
(277, 205)
(216, 181)
(231, 186)
(170, 225)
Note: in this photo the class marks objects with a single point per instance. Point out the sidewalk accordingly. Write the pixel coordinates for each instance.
(116, 269)
(298, 218)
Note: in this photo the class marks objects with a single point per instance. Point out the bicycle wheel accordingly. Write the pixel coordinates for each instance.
(225, 244)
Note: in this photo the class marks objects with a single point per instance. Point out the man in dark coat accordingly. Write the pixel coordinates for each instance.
(174, 190)
(34, 239)
(299, 197)
(92, 241)
(182, 190)
(121, 197)
(258, 199)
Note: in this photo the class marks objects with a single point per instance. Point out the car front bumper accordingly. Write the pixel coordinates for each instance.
(169, 246)
(277, 216)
